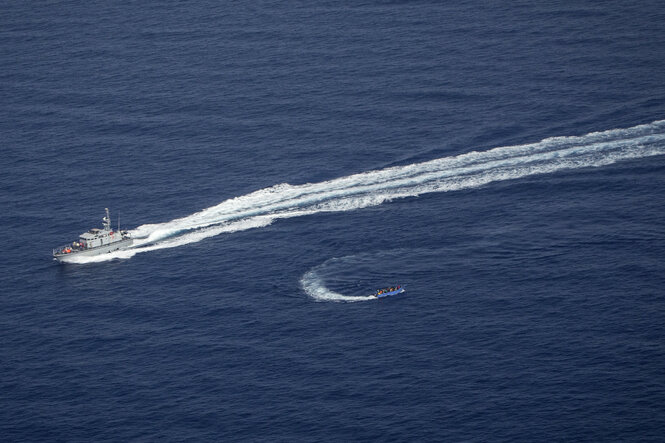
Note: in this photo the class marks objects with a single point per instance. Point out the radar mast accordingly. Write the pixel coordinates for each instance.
(107, 221)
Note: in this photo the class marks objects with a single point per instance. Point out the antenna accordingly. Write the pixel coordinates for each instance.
(107, 220)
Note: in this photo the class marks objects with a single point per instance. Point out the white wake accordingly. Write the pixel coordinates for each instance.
(315, 287)
(471, 170)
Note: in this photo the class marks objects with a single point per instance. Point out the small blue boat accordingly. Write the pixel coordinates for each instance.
(389, 291)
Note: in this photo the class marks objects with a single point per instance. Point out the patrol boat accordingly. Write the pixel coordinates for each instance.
(95, 242)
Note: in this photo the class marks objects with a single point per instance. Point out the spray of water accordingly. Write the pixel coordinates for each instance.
(371, 188)
(314, 285)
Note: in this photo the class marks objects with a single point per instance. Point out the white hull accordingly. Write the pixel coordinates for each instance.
(105, 249)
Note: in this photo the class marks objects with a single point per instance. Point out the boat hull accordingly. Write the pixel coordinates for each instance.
(388, 294)
(99, 250)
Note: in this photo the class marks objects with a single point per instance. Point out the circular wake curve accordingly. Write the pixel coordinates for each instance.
(356, 278)
(315, 287)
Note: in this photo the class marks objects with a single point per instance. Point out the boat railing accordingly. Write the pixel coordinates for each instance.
(77, 247)
(68, 249)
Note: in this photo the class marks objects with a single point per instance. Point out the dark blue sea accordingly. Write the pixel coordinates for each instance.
(277, 162)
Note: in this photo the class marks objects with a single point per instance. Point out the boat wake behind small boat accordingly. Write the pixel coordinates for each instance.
(386, 292)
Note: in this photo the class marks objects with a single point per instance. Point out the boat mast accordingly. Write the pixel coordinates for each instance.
(107, 220)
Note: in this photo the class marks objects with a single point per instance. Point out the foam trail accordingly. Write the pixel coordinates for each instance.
(371, 188)
(315, 287)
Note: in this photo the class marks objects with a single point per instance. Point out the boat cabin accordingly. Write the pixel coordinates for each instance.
(97, 237)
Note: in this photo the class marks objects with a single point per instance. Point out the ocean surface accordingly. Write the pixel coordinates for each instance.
(276, 163)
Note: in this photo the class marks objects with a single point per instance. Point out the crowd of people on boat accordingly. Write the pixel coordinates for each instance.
(386, 290)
